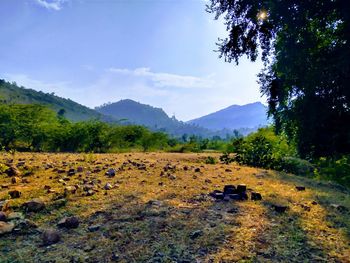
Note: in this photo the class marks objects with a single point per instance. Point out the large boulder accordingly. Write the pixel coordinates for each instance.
(50, 236)
(6, 227)
(34, 205)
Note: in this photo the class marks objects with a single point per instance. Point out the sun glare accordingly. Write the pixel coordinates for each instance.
(262, 15)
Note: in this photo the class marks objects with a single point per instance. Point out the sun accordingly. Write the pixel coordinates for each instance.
(262, 15)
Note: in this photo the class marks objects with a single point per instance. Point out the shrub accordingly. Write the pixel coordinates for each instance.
(335, 169)
(210, 160)
(296, 166)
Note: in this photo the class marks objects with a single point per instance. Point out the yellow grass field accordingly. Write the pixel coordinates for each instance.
(158, 210)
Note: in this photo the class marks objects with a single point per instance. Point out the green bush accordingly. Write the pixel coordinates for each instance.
(210, 160)
(334, 169)
(296, 166)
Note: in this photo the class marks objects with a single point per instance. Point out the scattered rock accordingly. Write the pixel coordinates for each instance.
(197, 170)
(50, 236)
(70, 190)
(195, 234)
(217, 195)
(34, 205)
(107, 186)
(14, 194)
(94, 228)
(80, 169)
(208, 181)
(241, 188)
(15, 180)
(172, 177)
(71, 172)
(69, 222)
(280, 208)
(12, 171)
(228, 170)
(3, 216)
(110, 172)
(6, 227)
(256, 196)
(229, 189)
(300, 188)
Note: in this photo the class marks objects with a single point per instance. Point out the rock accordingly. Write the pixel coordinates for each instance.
(80, 169)
(300, 188)
(229, 189)
(235, 196)
(197, 170)
(70, 190)
(15, 180)
(280, 208)
(47, 187)
(107, 186)
(94, 228)
(172, 177)
(185, 168)
(241, 188)
(12, 171)
(217, 194)
(6, 227)
(71, 172)
(228, 170)
(256, 196)
(195, 234)
(3, 216)
(90, 193)
(110, 172)
(25, 181)
(34, 205)
(208, 181)
(50, 236)
(14, 194)
(69, 222)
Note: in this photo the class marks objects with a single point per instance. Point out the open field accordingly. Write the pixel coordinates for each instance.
(158, 210)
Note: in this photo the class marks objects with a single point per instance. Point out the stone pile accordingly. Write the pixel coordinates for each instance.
(231, 192)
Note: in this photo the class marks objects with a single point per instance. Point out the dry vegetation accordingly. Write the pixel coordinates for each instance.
(159, 210)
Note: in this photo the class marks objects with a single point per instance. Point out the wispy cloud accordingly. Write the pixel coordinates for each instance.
(163, 80)
(51, 5)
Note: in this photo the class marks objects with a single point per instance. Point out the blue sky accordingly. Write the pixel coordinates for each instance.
(158, 52)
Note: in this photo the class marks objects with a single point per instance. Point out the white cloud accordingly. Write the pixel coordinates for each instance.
(51, 5)
(164, 80)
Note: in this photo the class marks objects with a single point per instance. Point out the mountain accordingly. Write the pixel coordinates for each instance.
(132, 112)
(10, 93)
(250, 116)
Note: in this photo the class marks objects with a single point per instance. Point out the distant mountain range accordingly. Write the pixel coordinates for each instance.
(251, 116)
(245, 118)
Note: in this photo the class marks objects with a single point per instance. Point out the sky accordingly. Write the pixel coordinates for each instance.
(157, 52)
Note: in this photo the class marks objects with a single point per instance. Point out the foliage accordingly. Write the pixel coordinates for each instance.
(306, 50)
(296, 166)
(210, 160)
(261, 149)
(335, 169)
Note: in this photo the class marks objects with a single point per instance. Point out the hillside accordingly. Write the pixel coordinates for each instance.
(10, 93)
(132, 112)
(157, 208)
(251, 116)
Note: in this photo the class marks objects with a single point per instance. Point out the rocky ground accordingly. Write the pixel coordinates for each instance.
(163, 207)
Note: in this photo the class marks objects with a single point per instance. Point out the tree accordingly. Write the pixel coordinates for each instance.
(305, 47)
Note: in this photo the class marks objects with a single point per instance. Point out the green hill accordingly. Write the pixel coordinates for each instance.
(11, 93)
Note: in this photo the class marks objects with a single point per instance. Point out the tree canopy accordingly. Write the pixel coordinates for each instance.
(305, 49)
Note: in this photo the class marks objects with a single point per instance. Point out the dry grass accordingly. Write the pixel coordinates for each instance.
(133, 229)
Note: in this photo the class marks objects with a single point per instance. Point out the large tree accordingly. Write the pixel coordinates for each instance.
(305, 46)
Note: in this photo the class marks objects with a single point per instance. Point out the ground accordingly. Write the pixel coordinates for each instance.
(159, 210)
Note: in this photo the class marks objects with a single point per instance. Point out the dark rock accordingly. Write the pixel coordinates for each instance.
(70, 190)
(300, 188)
(15, 180)
(228, 170)
(280, 208)
(80, 169)
(12, 171)
(256, 196)
(3, 216)
(208, 181)
(107, 186)
(197, 170)
(50, 237)
(217, 194)
(71, 172)
(195, 234)
(14, 194)
(229, 189)
(34, 205)
(94, 228)
(69, 222)
(110, 172)
(90, 193)
(241, 188)
(244, 196)
(235, 196)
